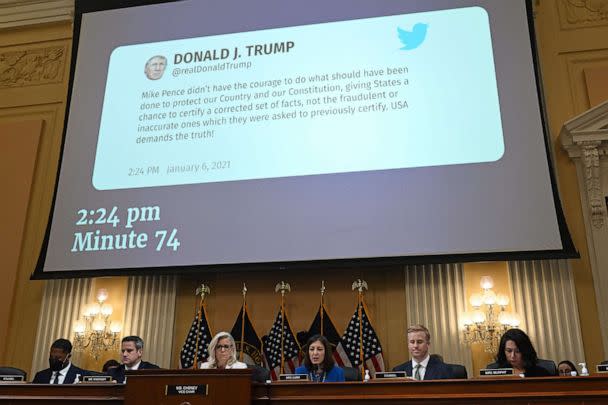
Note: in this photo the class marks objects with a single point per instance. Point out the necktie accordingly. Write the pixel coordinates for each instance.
(56, 380)
(417, 373)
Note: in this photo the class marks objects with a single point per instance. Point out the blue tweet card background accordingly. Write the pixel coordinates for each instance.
(380, 93)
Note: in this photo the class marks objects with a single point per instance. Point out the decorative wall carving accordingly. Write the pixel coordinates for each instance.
(575, 13)
(585, 140)
(591, 163)
(32, 66)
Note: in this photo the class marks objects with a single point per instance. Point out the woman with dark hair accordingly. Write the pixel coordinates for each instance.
(516, 351)
(566, 367)
(319, 362)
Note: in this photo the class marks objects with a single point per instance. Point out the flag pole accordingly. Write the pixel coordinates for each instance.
(243, 322)
(282, 287)
(202, 290)
(360, 285)
(322, 305)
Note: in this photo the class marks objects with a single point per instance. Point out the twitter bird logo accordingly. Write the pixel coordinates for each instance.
(414, 38)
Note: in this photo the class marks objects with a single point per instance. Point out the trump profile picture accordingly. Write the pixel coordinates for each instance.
(155, 67)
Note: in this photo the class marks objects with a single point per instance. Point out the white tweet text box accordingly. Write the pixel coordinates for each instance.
(315, 99)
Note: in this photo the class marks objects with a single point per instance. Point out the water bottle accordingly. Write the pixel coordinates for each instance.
(584, 370)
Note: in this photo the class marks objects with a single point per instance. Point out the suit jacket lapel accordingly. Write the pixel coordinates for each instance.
(70, 375)
(428, 373)
(408, 369)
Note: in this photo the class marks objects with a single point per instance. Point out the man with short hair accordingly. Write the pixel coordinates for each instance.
(61, 370)
(423, 366)
(131, 349)
(155, 67)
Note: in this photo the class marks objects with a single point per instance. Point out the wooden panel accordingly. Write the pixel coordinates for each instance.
(34, 70)
(597, 84)
(18, 149)
(81, 394)
(548, 390)
(28, 295)
(219, 387)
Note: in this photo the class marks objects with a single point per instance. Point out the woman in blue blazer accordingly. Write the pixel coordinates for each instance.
(319, 362)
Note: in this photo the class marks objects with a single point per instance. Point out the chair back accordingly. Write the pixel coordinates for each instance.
(260, 374)
(459, 371)
(12, 371)
(548, 365)
(351, 374)
(493, 365)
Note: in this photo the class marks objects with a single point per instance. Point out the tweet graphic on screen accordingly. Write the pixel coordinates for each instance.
(370, 94)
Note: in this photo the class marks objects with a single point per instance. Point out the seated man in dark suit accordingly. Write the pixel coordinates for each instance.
(131, 349)
(422, 366)
(61, 370)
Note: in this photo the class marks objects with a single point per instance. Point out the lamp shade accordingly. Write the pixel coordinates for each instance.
(102, 295)
(489, 297)
(79, 327)
(476, 300)
(98, 325)
(106, 309)
(486, 282)
(478, 317)
(502, 300)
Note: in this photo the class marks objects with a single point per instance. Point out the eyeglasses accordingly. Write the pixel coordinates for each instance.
(223, 347)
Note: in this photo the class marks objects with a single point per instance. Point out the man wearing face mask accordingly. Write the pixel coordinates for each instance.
(61, 370)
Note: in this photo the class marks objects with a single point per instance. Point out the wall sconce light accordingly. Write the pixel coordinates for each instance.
(486, 323)
(95, 333)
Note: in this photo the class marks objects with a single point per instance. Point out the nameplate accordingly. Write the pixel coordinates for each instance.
(602, 368)
(293, 377)
(391, 374)
(97, 379)
(495, 372)
(199, 389)
(12, 378)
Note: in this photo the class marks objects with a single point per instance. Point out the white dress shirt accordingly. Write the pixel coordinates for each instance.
(235, 365)
(62, 373)
(135, 367)
(423, 365)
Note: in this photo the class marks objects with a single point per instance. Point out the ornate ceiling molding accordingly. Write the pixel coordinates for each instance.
(585, 138)
(19, 13)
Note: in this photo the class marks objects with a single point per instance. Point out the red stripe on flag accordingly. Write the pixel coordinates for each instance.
(344, 360)
(290, 367)
(338, 359)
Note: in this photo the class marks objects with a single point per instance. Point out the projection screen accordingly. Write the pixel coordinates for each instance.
(269, 134)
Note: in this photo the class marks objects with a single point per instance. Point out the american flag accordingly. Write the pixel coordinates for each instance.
(199, 328)
(350, 343)
(272, 347)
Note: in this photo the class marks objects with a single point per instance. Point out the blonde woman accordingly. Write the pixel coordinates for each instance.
(222, 353)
